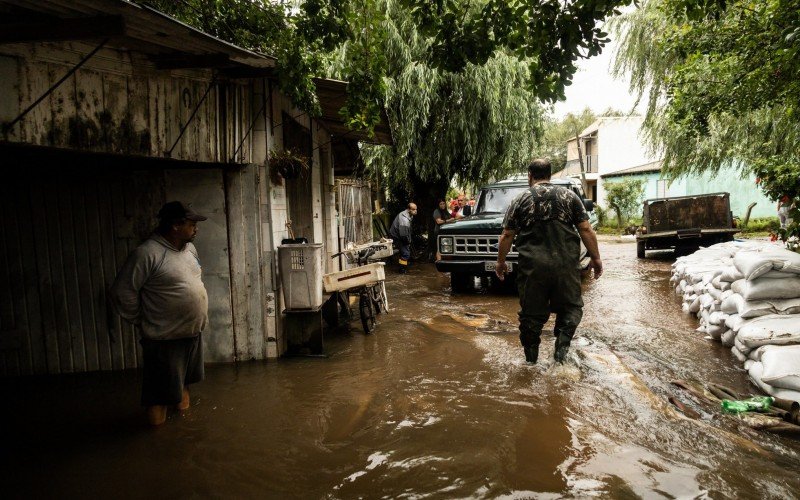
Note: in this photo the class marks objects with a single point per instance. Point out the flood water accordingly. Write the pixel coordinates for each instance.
(437, 403)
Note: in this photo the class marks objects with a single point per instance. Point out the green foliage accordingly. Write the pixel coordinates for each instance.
(624, 198)
(553, 144)
(762, 224)
(550, 35)
(602, 215)
(468, 127)
(724, 86)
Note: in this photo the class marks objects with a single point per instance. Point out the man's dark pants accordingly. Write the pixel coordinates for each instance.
(542, 292)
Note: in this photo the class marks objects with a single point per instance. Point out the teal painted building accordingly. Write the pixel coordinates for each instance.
(743, 190)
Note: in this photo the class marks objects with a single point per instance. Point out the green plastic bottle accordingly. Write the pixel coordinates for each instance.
(756, 403)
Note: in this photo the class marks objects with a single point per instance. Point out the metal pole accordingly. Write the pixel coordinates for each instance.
(7, 127)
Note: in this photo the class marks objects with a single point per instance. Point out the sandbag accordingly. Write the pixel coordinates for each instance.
(755, 308)
(727, 338)
(753, 264)
(731, 304)
(731, 274)
(767, 288)
(738, 354)
(774, 329)
(716, 293)
(782, 367)
(755, 371)
(717, 318)
(737, 343)
(733, 321)
(716, 331)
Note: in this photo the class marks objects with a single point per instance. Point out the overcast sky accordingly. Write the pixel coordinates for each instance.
(593, 86)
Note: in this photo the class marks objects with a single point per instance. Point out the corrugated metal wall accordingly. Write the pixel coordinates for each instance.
(354, 203)
(63, 238)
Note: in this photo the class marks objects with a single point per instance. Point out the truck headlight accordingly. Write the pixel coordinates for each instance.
(446, 244)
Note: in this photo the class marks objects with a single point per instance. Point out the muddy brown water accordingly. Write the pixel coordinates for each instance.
(438, 403)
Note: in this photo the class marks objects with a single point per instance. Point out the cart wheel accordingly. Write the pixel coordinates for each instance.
(367, 311)
(376, 294)
(640, 249)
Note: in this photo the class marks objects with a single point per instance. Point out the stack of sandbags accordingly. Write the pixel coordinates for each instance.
(747, 295)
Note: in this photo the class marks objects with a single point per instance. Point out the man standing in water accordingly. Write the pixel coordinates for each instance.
(400, 233)
(160, 290)
(549, 223)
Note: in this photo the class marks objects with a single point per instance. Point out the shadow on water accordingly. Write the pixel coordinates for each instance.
(438, 402)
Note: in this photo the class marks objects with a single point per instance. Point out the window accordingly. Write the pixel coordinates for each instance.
(662, 190)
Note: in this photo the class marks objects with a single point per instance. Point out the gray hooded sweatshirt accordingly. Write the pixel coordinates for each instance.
(160, 290)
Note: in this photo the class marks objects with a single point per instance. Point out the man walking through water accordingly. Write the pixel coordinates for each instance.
(160, 290)
(549, 223)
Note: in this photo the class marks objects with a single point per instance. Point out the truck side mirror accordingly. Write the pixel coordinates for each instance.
(589, 204)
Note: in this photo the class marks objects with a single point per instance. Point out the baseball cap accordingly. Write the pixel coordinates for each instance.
(178, 210)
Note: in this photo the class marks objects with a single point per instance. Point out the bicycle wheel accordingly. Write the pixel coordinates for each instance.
(367, 311)
(376, 294)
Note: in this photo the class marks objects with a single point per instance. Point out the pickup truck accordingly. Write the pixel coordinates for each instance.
(468, 247)
(685, 223)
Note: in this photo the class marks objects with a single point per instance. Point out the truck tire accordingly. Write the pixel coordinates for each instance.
(640, 249)
(461, 282)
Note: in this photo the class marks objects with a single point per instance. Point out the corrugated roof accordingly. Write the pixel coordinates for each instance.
(653, 166)
(332, 96)
(146, 29)
(165, 38)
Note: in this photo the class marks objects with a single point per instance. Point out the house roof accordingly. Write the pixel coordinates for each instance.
(332, 96)
(167, 42)
(135, 26)
(653, 166)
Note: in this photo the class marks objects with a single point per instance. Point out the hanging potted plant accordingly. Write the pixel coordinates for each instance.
(287, 164)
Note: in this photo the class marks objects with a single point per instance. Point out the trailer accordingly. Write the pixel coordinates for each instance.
(685, 223)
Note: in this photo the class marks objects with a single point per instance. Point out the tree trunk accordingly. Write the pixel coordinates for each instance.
(426, 194)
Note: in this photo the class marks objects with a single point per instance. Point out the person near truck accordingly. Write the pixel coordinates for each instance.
(462, 209)
(400, 232)
(440, 217)
(548, 223)
(160, 291)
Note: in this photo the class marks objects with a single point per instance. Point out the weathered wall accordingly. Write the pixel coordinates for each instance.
(119, 103)
(64, 236)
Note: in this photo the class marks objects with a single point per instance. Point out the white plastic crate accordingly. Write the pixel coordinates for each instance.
(301, 269)
(358, 276)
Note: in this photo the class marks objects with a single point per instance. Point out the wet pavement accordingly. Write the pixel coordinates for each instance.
(437, 403)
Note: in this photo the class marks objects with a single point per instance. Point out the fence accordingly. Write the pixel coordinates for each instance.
(354, 203)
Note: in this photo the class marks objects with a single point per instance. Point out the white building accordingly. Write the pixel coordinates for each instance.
(608, 145)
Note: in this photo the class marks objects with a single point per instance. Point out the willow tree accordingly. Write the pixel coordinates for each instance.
(724, 87)
(464, 127)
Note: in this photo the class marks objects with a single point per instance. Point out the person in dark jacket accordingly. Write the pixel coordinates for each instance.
(548, 223)
(440, 216)
(400, 232)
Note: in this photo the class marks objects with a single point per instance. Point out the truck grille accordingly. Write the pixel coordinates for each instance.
(478, 245)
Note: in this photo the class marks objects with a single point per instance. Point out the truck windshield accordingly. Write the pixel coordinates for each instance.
(497, 200)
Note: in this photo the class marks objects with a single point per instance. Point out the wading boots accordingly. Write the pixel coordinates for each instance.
(531, 353)
(562, 348)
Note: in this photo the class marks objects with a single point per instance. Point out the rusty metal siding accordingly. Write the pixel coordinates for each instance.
(354, 203)
(64, 237)
(118, 103)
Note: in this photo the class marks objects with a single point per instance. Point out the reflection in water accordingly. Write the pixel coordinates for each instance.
(437, 403)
